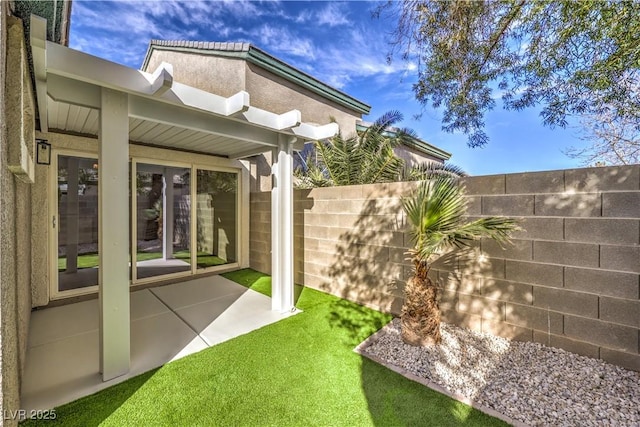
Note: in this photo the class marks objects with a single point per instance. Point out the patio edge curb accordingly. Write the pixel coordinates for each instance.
(361, 350)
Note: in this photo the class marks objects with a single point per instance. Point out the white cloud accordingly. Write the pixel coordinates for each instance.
(333, 14)
(280, 39)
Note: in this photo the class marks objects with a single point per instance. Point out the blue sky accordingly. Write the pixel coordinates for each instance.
(337, 42)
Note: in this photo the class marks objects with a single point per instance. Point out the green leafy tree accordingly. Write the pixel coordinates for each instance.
(569, 57)
(435, 217)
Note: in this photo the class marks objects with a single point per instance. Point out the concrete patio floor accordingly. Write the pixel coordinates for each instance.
(167, 323)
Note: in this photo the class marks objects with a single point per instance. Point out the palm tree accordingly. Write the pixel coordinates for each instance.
(435, 214)
(365, 158)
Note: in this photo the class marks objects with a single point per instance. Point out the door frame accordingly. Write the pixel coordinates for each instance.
(242, 220)
(54, 225)
(133, 217)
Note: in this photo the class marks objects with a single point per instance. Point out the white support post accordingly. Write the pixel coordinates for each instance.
(167, 214)
(113, 160)
(282, 226)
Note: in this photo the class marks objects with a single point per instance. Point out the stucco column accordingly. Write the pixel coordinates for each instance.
(113, 160)
(282, 226)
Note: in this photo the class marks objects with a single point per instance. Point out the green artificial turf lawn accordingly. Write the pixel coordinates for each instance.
(301, 371)
(204, 260)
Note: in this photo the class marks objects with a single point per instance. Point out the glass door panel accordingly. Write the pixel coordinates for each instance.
(217, 218)
(77, 222)
(163, 211)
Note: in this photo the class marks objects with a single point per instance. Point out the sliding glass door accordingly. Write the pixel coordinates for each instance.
(217, 218)
(76, 223)
(184, 220)
(162, 220)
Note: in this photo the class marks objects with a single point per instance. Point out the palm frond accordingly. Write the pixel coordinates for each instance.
(435, 214)
(428, 170)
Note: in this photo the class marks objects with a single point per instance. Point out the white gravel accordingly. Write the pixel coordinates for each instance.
(528, 382)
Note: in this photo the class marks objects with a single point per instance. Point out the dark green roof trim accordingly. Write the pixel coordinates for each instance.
(268, 62)
(417, 144)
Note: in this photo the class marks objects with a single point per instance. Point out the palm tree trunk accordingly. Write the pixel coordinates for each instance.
(420, 316)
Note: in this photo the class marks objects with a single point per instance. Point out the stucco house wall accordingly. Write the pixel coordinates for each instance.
(222, 76)
(413, 157)
(15, 244)
(228, 76)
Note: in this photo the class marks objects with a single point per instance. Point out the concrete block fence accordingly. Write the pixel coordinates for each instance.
(570, 279)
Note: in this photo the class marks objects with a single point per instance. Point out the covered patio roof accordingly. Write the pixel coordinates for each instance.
(162, 111)
(84, 94)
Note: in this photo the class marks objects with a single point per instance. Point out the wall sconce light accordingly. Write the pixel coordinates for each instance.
(43, 156)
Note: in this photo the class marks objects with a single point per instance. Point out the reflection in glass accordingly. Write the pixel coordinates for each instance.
(216, 218)
(163, 217)
(77, 222)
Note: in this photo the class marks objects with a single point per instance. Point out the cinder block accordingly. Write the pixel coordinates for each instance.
(474, 262)
(577, 254)
(535, 182)
(602, 230)
(518, 249)
(566, 301)
(319, 207)
(602, 282)
(394, 288)
(621, 311)
(316, 232)
(348, 220)
(511, 205)
(459, 283)
(447, 262)
(474, 205)
(534, 273)
(398, 255)
(507, 330)
(615, 337)
(315, 269)
(485, 307)
(339, 206)
(489, 184)
(620, 358)
(621, 258)
(447, 300)
(319, 257)
(505, 290)
(375, 191)
(466, 320)
(574, 346)
(540, 228)
(621, 205)
(314, 282)
(535, 318)
(612, 178)
(373, 253)
(568, 204)
(351, 192)
(332, 247)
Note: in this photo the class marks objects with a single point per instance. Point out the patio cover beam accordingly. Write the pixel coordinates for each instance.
(282, 226)
(148, 109)
(113, 193)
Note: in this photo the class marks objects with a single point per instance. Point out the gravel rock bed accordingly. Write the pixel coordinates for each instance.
(528, 382)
